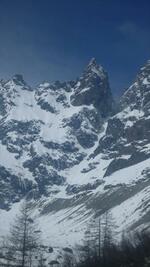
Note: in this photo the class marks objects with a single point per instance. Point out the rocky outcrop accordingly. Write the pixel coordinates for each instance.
(63, 145)
(93, 88)
(137, 96)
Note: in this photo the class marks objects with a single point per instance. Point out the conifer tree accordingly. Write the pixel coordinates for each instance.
(24, 237)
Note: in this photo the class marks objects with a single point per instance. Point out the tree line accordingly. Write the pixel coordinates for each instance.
(102, 250)
(133, 252)
(23, 246)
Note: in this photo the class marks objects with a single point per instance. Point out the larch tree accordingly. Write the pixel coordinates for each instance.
(24, 237)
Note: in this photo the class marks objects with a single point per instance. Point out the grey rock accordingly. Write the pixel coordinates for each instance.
(93, 88)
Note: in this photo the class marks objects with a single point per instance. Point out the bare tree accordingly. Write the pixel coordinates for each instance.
(41, 261)
(68, 260)
(99, 238)
(23, 240)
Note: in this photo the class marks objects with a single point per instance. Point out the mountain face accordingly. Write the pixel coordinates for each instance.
(63, 146)
(127, 135)
(93, 89)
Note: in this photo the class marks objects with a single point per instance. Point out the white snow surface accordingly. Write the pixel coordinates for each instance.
(66, 226)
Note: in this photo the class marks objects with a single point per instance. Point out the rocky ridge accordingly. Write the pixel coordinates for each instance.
(64, 146)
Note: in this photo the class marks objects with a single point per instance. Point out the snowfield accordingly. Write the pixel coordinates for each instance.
(76, 158)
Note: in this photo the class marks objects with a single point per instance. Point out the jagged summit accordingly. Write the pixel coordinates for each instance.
(93, 88)
(93, 68)
(147, 63)
(92, 61)
(137, 96)
(18, 78)
(145, 71)
(92, 64)
(60, 143)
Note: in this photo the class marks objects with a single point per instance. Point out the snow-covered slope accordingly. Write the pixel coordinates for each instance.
(63, 146)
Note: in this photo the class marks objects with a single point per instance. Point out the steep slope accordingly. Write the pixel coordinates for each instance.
(42, 134)
(93, 88)
(63, 146)
(127, 136)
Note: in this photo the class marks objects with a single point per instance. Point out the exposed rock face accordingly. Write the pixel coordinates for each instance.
(138, 95)
(93, 88)
(62, 145)
(128, 132)
(43, 134)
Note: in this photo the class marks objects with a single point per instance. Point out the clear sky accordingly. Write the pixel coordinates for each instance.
(55, 39)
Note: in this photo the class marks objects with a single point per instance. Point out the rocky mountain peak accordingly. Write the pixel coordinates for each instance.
(74, 163)
(144, 74)
(147, 65)
(137, 96)
(94, 69)
(18, 79)
(93, 88)
(93, 61)
(92, 64)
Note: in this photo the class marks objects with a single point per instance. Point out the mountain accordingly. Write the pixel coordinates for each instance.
(93, 88)
(65, 146)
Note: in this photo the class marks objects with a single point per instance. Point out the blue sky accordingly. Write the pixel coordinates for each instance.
(55, 39)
